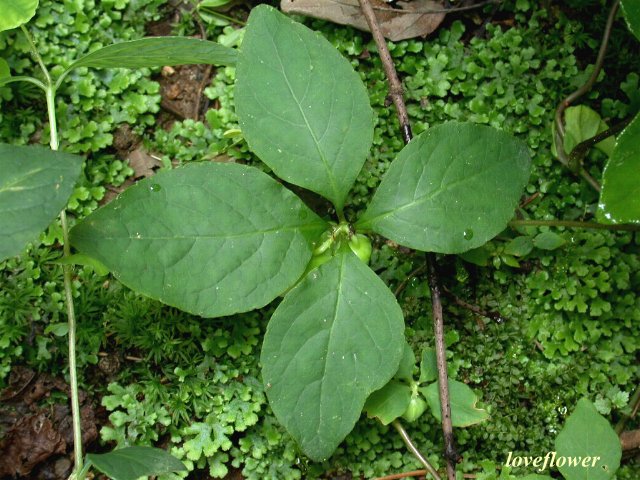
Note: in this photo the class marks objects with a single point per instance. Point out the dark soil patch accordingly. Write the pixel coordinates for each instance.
(37, 434)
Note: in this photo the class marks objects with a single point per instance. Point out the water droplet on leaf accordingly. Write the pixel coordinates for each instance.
(468, 234)
(155, 187)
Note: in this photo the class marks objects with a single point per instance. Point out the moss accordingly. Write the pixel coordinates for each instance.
(194, 384)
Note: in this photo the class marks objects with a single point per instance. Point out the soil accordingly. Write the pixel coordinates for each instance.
(37, 435)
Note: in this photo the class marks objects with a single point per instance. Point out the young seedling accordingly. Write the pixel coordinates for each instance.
(218, 239)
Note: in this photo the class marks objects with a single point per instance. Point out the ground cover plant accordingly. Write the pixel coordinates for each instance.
(214, 452)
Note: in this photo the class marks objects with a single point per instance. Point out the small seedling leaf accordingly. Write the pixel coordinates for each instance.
(450, 189)
(519, 246)
(131, 463)
(324, 352)
(582, 123)
(16, 13)
(620, 197)
(212, 239)
(302, 108)
(405, 370)
(586, 433)
(5, 71)
(463, 404)
(548, 241)
(428, 366)
(34, 187)
(388, 403)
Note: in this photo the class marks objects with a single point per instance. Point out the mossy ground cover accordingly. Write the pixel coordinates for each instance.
(569, 314)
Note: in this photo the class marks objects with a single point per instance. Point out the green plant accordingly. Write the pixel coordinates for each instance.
(577, 129)
(216, 239)
(40, 183)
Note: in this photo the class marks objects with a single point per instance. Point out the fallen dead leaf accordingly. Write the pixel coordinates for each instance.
(143, 163)
(409, 20)
(30, 442)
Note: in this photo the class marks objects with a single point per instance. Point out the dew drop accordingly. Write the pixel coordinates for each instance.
(155, 187)
(468, 234)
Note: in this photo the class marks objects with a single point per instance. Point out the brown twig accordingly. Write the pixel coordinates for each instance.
(564, 104)
(413, 449)
(206, 76)
(626, 227)
(580, 151)
(395, 87)
(474, 308)
(450, 452)
(396, 91)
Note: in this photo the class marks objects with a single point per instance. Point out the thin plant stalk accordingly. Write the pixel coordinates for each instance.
(50, 90)
(566, 102)
(413, 449)
(627, 227)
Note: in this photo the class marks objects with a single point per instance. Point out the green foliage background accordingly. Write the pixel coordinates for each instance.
(572, 313)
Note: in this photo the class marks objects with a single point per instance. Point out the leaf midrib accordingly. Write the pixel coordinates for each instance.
(316, 142)
(426, 197)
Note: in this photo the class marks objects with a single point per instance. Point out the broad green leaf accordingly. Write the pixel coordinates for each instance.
(388, 403)
(586, 433)
(405, 370)
(583, 123)
(209, 238)
(463, 404)
(548, 241)
(16, 13)
(428, 366)
(131, 463)
(620, 196)
(336, 337)
(631, 11)
(450, 189)
(34, 187)
(302, 108)
(157, 52)
(519, 246)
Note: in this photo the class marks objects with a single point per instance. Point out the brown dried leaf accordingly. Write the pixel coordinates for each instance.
(409, 20)
(143, 163)
(31, 441)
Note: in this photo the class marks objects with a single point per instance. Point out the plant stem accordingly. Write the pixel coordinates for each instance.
(396, 93)
(627, 227)
(67, 274)
(413, 449)
(564, 104)
(36, 55)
